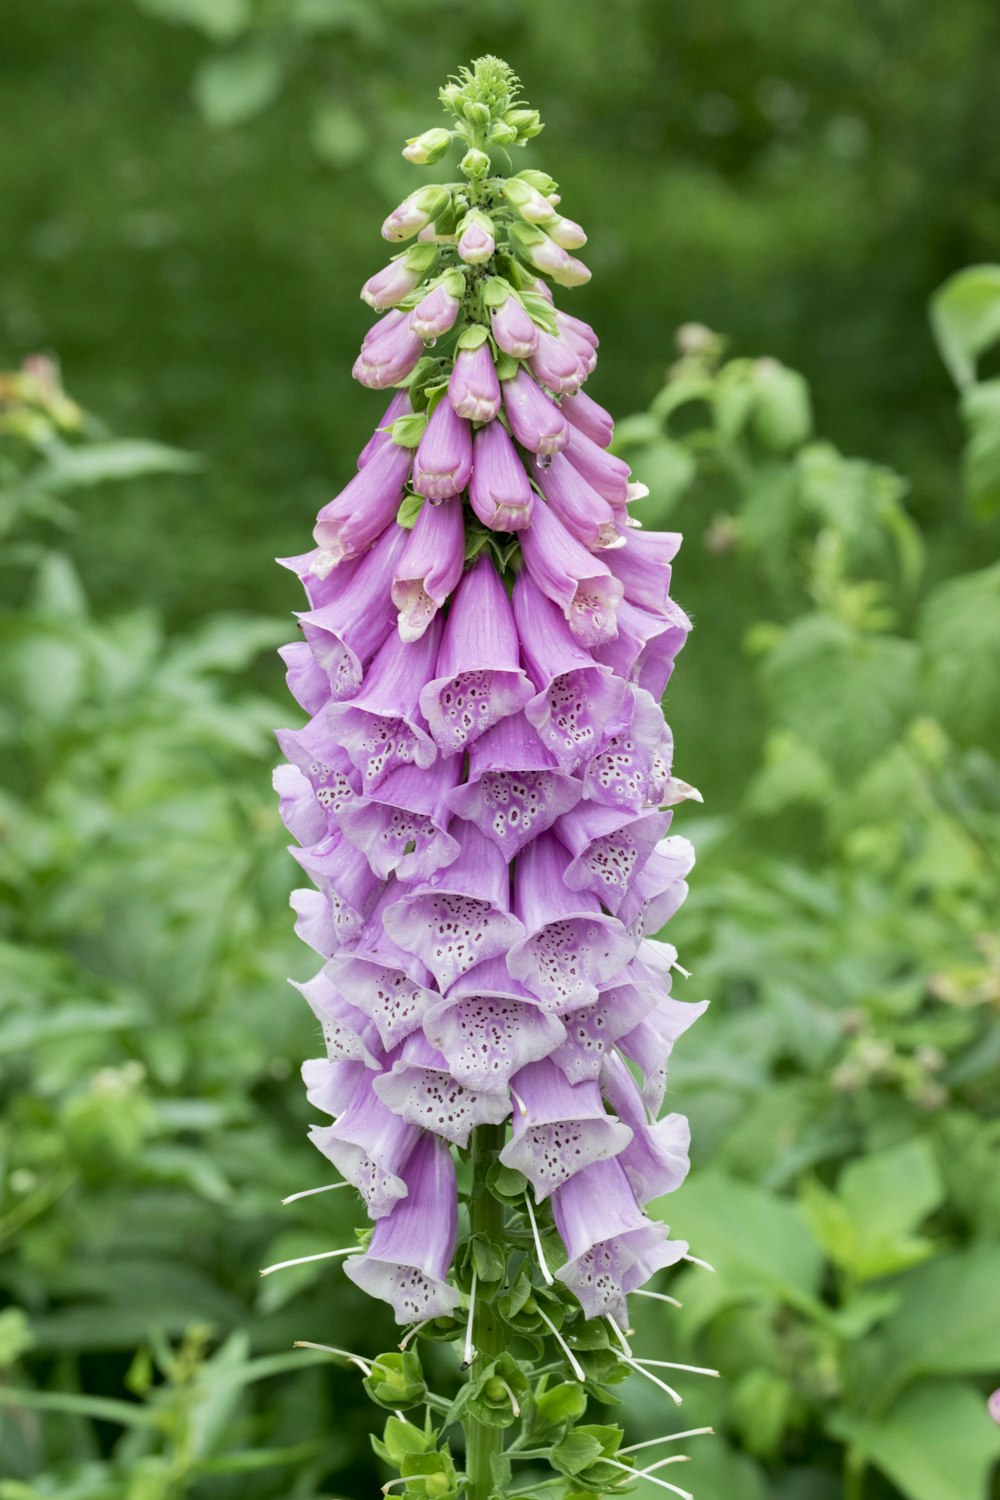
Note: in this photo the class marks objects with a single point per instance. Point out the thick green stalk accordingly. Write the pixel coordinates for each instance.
(486, 1218)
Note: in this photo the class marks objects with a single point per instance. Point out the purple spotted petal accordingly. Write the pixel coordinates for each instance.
(392, 988)
(382, 727)
(656, 1160)
(646, 645)
(559, 1128)
(487, 1027)
(590, 1032)
(343, 875)
(369, 1146)
(297, 805)
(514, 788)
(307, 682)
(314, 920)
(581, 585)
(632, 766)
(317, 753)
(420, 1088)
(609, 847)
(402, 828)
(659, 888)
(348, 1034)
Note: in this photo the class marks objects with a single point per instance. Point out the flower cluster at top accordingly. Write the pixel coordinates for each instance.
(482, 793)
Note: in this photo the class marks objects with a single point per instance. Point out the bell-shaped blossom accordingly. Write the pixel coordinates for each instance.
(575, 696)
(345, 634)
(556, 364)
(320, 574)
(332, 1084)
(307, 682)
(348, 525)
(631, 767)
(348, 1035)
(586, 515)
(499, 491)
(583, 412)
(593, 1030)
(388, 353)
(370, 1147)
(407, 1259)
(559, 1128)
(569, 325)
(605, 473)
(573, 333)
(298, 808)
(571, 946)
(343, 875)
(535, 419)
(643, 565)
(436, 313)
(399, 406)
(611, 1246)
(402, 826)
(646, 644)
(460, 916)
(383, 727)
(514, 788)
(650, 1043)
(429, 568)
(659, 888)
(656, 1159)
(609, 847)
(317, 753)
(314, 920)
(420, 1087)
(390, 986)
(514, 330)
(488, 1026)
(390, 285)
(473, 387)
(478, 679)
(584, 588)
(444, 455)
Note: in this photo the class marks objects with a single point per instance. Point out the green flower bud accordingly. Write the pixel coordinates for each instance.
(423, 150)
(503, 135)
(478, 115)
(429, 1476)
(527, 123)
(396, 1381)
(541, 181)
(475, 164)
(498, 1394)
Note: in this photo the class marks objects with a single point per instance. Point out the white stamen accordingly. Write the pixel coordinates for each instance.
(515, 1408)
(670, 1437)
(658, 1297)
(675, 1458)
(662, 1483)
(302, 1260)
(705, 1266)
(412, 1333)
(666, 1364)
(522, 1108)
(354, 1359)
(329, 1187)
(681, 969)
(574, 1363)
(621, 1337)
(469, 1353)
(547, 1276)
(634, 1364)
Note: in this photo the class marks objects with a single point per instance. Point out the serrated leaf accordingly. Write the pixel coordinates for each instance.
(866, 1226)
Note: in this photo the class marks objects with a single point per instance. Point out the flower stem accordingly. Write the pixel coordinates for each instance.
(486, 1218)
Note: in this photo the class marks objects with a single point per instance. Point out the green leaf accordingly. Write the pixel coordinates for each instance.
(937, 1442)
(981, 459)
(782, 416)
(576, 1452)
(234, 87)
(220, 19)
(949, 1321)
(97, 1408)
(407, 431)
(959, 633)
(409, 509)
(866, 1225)
(103, 463)
(965, 317)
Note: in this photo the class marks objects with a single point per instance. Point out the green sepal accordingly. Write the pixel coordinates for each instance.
(510, 269)
(541, 181)
(409, 510)
(490, 1396)
(556, 1408)
(407, 431)
(488, 1259)
(400, 1438)
(421, 258)
(454, 282)
(524, 238)
(472, 337)
(581, 1453)
(496, 291)
(424, 372)
(430, 1476)
(507, 366)
(396, 1380)
(434, 394)
(539, 310)
(475, 541)
(505, 1183)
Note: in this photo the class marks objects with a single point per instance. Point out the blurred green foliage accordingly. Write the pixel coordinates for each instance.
(191, 199)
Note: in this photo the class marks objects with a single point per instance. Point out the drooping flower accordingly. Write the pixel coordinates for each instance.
(473, 389)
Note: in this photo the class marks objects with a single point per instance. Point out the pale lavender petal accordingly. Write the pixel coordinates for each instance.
(659, 888)
(348, 1034)
(297, 805)
(488, 1026)
(342, 873)
(345, 634)
(609, 847)
(593, 1030)
(631, 768)
(430, 567)
(307, 682)
(656, 1160)
(370, 1147)
(402, 827)
(382, 727)
(559, 1128)
(514, 788)
(420, 1088)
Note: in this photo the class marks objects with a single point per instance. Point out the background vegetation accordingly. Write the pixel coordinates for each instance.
(192, 194)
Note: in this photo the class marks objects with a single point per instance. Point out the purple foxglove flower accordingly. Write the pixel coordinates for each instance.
(392, 988)
(389, 353)
(420, 1088)
(632, 765)
(559, 1128)
(565, 232)
(593, 1030)
(535, 419)
(488, 1026)
(459, 917)
(370, 1147)
(612, 1247)
(444, 457)
(993, 1407)
(556, 364)
(473, 389)
(576, 696)
(297, 805)
(659, 888)
(383, 727)
(606, 474)
(514, 789)
(584, 588)
(345, 634)
(390, 285)
(575, 329)
(478, 677)
(348, 525)
(609, 847)
(643, 565)
(650, 1043)
(307, 682)
(409, 1254)
(584, 513)
(318, 755)
(430, 567)
(348, 1034)
(476, 244)
(343, 875)
(435, 314)
(399, 406)
(571, 946)
(646, 645)
(318, 575)
(402, 828)
(583, 412)
(314, 920)
(331, 1085)
(499, 491)
(516, 334)
(656, 1160)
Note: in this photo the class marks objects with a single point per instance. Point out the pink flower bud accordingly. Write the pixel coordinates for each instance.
(499, 491)
(474, 390)
(390, 285)
(513, 329)
(444, 458)
(566, 233)
(435, 313)
(557, 365)
(534, 418)
(476, 244)
(389, 353)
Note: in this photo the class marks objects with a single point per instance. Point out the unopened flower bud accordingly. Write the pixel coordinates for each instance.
(566, 233)
(475, 242)
(527, 122)
(423, 150)
(477, 114)
(503, 135)
(416, 211)
(475, 163)
(527, 200)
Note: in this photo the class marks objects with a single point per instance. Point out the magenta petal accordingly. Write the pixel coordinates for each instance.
(659, 888)
(514, 789)
(513, 329)
(646, 644)
(430, 568)
(382, 727)
(345, 634)
(579, 583)
(402, 827)
(593, 421)
(444, 456)
(607, 474)
(535, 419)
(473, 388)
(643, 565)
(584, 513)
(499, 491)
(297, 805)
(348, 525)
(307, 682)
(631, 768)
(399, 406)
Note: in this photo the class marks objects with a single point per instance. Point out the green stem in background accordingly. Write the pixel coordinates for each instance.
(854, 1477)
(486, 1216)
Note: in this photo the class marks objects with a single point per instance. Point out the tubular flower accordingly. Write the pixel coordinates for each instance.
(481, 793)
